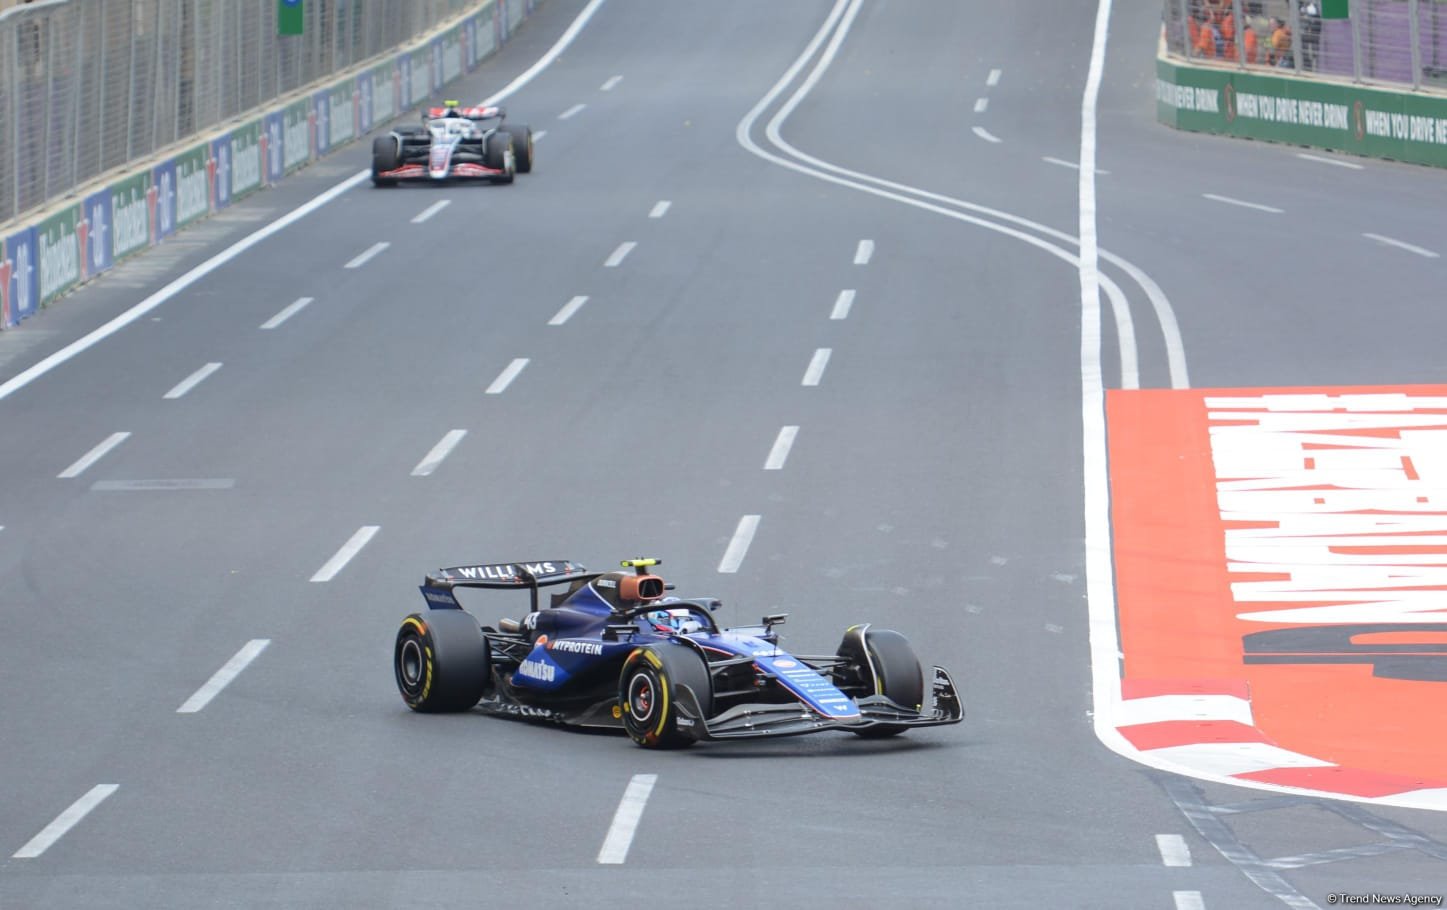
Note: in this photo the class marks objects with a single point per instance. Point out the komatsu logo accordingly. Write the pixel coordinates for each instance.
(538, 670)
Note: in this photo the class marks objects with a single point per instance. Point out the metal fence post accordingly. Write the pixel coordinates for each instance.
(1186, 28)
(1293, 12)
(1237, 21)
(1415, 31)
(1356, 43)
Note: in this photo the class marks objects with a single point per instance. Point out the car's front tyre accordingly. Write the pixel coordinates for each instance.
(880, 662)
(386, 156)
(649, 693)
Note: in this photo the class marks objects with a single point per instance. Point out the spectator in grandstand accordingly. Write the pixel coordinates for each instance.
(1310, 19)
(1280, 48)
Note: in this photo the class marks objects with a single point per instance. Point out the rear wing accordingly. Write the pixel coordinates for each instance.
(530, 576)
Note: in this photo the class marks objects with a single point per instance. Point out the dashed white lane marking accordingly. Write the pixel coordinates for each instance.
(608, 86)
(738, 546)
(817, 363)
(444, 447)
(289, 311)
(431, 210)
(190, 382)
(619, 254)
(981, 104)
(571, 112)
(1229, 200)
(223, 677)
(505, 378)
(164, 484)
(65, 821)
(993, 79)
(625, 820)
(1174, 851)
(344, 555)
(1188, 900)
(365, 256)
(1401, 245)
(569, 308)
(842, 305)
(1352, 165)
(780, 452)
(660, 208)
(1061, 162)
(94, 455)
(985, 134)
(539, 134)
(864, 252)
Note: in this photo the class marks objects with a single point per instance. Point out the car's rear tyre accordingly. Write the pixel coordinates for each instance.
(497, 154)
(650, 689)
(386, 156)
(442, 661)
(880, 662)
(522, 146)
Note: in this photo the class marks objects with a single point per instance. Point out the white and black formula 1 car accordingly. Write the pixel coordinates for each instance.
(454, 143)
(613, 649)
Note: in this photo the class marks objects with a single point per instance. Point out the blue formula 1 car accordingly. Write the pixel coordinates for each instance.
(613, 649)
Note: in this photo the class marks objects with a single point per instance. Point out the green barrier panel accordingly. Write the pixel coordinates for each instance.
(1327, 115)
(131, 218)
(246, 163)
(58, 253)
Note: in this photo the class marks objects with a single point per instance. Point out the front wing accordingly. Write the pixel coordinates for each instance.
(464, 170)
(751, 721)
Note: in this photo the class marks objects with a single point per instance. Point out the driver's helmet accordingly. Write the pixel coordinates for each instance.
(625, 591)
(453, 109)
(678, 620)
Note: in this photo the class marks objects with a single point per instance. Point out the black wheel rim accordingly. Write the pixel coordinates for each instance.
(409, 664)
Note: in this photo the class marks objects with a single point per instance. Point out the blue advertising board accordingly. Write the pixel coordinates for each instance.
(97, 234)
(20, 261)
(163, 185)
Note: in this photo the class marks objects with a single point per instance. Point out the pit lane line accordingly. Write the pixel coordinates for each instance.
(366, 255)
(343, 556)
(1188, 900)
(223, 677)
(572, 112)
(287, 312)
(439, 452)
(1173, 849)
(660, 209)
(190, 382)
(616, 259)
(842, 304)
(569, 308)
(94, 455)
(738, 546)
(779, 454)
(1402, 245)
(431, 210)
(505, 378)
(65, 821)
(817, 363)
(608, 86)
(625, 819)
(864, 252)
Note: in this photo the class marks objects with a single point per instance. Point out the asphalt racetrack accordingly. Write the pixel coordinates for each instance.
(860, 221)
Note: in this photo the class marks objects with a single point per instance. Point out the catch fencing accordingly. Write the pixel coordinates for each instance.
(87, 86)
(1391, 43)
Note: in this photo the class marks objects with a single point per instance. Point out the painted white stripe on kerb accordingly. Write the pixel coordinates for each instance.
(190, 382)
(864, 252)
(65, 821)
(1230, 200)
(993, 79)
(817, 363)
(780, 452)
(1174, 851)
(985, 134)
(842, 305)
(431, 210)
(94, 455)
(569, 308)
(572, 112)
(1401, 245)
(344, 555)
(738, 546)
(981, 104)
(1199, 708)
(1188, 900)
(432, 459)
(365, 256)
(223, 677)
(505, 378)
(619, 254)
(625, 820)
(660, 209)
(289, 311)
(608, 86)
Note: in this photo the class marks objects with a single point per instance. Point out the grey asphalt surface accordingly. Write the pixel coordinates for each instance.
(934, 486)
